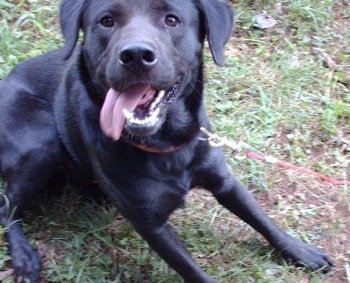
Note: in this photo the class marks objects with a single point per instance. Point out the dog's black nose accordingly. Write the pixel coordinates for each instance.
(138, 56)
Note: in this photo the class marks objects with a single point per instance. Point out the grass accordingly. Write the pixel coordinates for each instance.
(279, 93)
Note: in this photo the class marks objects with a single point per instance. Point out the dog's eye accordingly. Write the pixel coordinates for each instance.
(171, 21)
(107, 22)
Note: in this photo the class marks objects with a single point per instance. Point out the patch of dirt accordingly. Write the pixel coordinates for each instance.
(320, 210)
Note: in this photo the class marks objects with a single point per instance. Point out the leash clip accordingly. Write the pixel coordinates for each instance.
(215, 140)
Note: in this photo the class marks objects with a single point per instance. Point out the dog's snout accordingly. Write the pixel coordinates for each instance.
(136, 56)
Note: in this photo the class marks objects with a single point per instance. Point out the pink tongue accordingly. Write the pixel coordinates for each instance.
(112, 119)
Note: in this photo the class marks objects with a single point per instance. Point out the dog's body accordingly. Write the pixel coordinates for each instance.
(124, 110)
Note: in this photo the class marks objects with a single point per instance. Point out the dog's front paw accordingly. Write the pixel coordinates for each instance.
(26, 262)
(301, 254)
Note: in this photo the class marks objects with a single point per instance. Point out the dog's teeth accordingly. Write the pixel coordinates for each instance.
(161, 94)
(134, 120)
(150, 120)
(128, 115)
(155, 113)
(157, 100)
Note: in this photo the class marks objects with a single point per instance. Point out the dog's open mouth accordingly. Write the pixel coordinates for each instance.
(138, 109)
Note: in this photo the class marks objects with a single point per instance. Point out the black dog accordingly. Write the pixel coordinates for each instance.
(124, 109)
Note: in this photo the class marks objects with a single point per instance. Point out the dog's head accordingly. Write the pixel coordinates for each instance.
(144, 54)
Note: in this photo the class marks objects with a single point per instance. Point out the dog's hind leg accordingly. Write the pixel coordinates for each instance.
(29, 153)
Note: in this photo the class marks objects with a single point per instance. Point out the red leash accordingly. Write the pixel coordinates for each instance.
(257, 156)
(216, 141)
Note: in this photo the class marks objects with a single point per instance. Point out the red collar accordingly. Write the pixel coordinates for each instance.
(155, 149)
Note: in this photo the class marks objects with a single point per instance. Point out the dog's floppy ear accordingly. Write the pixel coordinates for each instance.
(219, 23)
(70, 20)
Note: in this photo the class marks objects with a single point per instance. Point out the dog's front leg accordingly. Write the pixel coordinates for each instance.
(236, 197)
(166, 243)
(240, 201)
